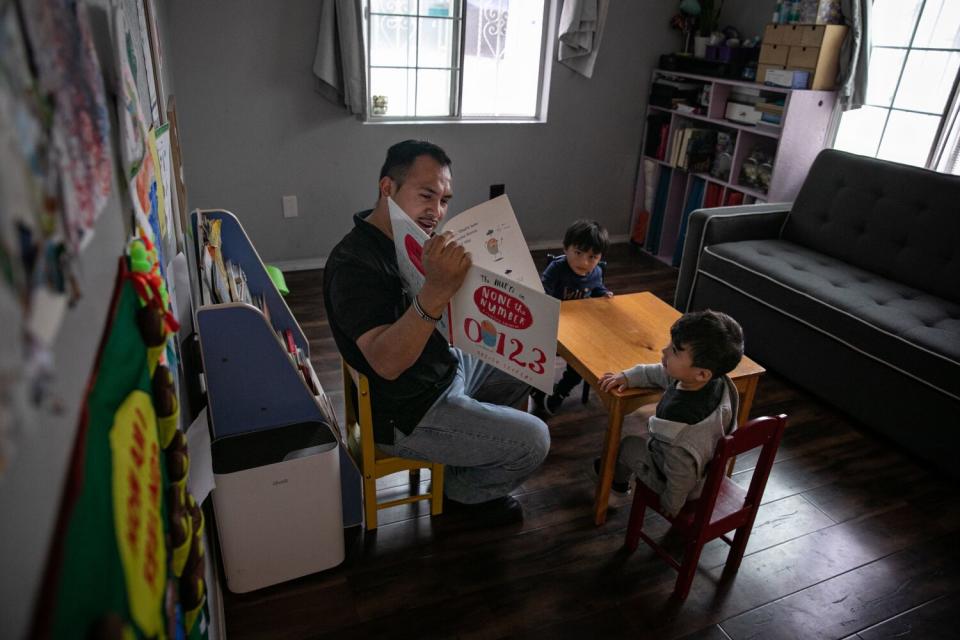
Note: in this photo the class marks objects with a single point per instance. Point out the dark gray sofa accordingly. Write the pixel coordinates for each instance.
(852, 292)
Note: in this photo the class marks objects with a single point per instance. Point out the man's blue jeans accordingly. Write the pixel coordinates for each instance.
(488, 447)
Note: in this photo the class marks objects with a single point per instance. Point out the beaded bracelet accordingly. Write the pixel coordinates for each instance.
(423, 314)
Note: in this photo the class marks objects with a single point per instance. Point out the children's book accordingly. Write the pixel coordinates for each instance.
(500, 314)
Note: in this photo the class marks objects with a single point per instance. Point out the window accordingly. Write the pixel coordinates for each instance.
(914, 60)
(455, 59)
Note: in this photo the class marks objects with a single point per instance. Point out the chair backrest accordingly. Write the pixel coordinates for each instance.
(358, 416)
(765, 432)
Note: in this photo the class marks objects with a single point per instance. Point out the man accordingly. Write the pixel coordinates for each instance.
(430, 401)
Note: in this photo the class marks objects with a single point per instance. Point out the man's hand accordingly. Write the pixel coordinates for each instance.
(610, 381)
(445, 264)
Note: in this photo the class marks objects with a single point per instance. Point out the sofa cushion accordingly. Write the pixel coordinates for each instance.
(899, 222)
(901, 326)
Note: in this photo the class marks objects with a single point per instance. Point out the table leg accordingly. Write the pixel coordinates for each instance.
(608, 460)
(746, 399)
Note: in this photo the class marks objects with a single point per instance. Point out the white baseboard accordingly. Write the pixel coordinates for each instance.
(305, 264)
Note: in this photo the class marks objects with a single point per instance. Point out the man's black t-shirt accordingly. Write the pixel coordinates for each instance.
(362, 289)
(690, 407)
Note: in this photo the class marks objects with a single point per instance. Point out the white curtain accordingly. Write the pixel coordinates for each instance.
(946, 154)
(855, 54)
(340, 61)
(581, 29)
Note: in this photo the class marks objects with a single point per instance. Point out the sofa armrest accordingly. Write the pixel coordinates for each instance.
(724, 224)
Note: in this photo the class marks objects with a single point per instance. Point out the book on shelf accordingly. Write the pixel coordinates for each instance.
(770, 107)
(771, 118)
(680, 138)
(664, 138)
(221, 279)
(712, 197)
(659, 205)
(733, 198)
(771, 110)
(658, 127)
(694, 202)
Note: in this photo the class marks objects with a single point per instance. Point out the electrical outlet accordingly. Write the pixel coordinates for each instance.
(290, 207)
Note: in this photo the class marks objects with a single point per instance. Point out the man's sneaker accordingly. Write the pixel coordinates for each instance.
(622, 487)
(554, 402)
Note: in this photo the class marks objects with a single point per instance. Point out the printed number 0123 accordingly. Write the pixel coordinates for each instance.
(485, 333)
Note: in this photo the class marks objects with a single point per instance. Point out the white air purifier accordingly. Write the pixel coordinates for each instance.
(277, 504)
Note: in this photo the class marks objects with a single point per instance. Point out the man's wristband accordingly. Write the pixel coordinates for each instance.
(423, 314)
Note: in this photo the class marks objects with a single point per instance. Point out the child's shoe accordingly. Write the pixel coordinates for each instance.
(554, 401)
(621, 487)
(539, 399)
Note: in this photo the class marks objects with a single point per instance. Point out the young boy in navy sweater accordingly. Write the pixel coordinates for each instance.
(574, 275)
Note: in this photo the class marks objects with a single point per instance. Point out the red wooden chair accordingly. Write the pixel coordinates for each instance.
(723, 506)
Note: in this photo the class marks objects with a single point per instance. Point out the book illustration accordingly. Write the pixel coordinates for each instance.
(494, 243)
(414, 252)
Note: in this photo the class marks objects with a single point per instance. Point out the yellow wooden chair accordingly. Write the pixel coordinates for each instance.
(374, 463)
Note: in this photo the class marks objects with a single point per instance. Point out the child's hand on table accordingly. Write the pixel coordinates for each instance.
(610, 381)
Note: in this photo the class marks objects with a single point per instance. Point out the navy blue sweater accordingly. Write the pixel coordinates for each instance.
(560, 281)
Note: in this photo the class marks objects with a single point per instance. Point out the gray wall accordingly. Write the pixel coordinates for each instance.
(749, 16)
(254, 129)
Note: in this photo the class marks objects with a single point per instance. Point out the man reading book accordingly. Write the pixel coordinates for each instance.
(430, 401)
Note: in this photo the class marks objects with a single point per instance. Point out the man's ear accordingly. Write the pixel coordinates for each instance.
(704, 375)
(387, 187)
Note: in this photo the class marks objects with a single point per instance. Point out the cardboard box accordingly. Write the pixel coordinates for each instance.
(774, 53)
(783, 34)
(811, 35)
(808, 47)
(803, 57)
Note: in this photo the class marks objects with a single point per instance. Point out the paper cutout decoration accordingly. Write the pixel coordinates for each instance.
(69, 71)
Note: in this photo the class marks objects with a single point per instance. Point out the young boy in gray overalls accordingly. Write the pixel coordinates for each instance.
(698, 407)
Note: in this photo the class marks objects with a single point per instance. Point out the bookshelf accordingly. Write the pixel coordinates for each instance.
(669, 186)
(254, 379)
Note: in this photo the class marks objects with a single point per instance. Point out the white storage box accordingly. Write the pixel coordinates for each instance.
(787, 78)
(745, 113)
(277, 504)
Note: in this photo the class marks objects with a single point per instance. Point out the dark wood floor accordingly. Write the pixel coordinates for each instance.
(854, 540)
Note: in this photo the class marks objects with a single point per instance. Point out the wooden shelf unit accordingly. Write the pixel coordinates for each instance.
(793, 144)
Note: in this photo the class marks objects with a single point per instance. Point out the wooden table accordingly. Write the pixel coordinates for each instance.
(597, 335)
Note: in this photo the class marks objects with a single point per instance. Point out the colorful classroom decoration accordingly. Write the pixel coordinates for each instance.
(57, 176)
(128, 555)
